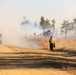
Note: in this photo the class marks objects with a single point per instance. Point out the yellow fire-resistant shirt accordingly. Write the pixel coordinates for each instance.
(52, 41)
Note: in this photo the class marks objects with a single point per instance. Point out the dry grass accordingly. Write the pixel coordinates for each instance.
(68, 46)
(21, 61)
(66, 43)
(29, 71)
(61, 43)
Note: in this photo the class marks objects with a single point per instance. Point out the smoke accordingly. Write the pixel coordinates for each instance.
(21, 35)
(31, 29)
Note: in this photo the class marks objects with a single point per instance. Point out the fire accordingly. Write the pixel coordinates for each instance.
(46, 47)
(43, 43)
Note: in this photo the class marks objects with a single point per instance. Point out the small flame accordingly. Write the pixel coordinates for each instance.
(46, 47)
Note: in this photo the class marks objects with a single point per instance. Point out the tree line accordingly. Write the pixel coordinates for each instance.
(66, 26)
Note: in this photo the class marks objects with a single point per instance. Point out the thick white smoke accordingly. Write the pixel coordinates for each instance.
(20, 35)
(31, 29)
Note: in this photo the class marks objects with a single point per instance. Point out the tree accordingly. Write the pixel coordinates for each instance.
(66, 27)
(53, 22)
(44, 23)
(74, 22)
(47, 22)
(53, 27)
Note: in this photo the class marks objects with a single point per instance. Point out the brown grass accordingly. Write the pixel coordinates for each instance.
(66, 43)
(61, 43)
(21, 61)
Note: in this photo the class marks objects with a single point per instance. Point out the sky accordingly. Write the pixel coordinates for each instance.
(12, 12)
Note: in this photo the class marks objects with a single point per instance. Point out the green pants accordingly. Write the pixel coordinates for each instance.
(51, 46)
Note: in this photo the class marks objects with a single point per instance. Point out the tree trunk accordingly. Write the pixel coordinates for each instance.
(66, 34)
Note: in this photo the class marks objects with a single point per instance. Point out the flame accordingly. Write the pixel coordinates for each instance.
(46, 47)
(43, 43)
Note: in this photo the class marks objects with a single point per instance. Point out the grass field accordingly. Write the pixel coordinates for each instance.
(69, 44)
(23, 61)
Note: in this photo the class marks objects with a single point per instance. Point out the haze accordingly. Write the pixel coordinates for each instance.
(12, 12)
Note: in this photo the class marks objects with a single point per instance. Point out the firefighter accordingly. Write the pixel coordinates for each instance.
(52, 43)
